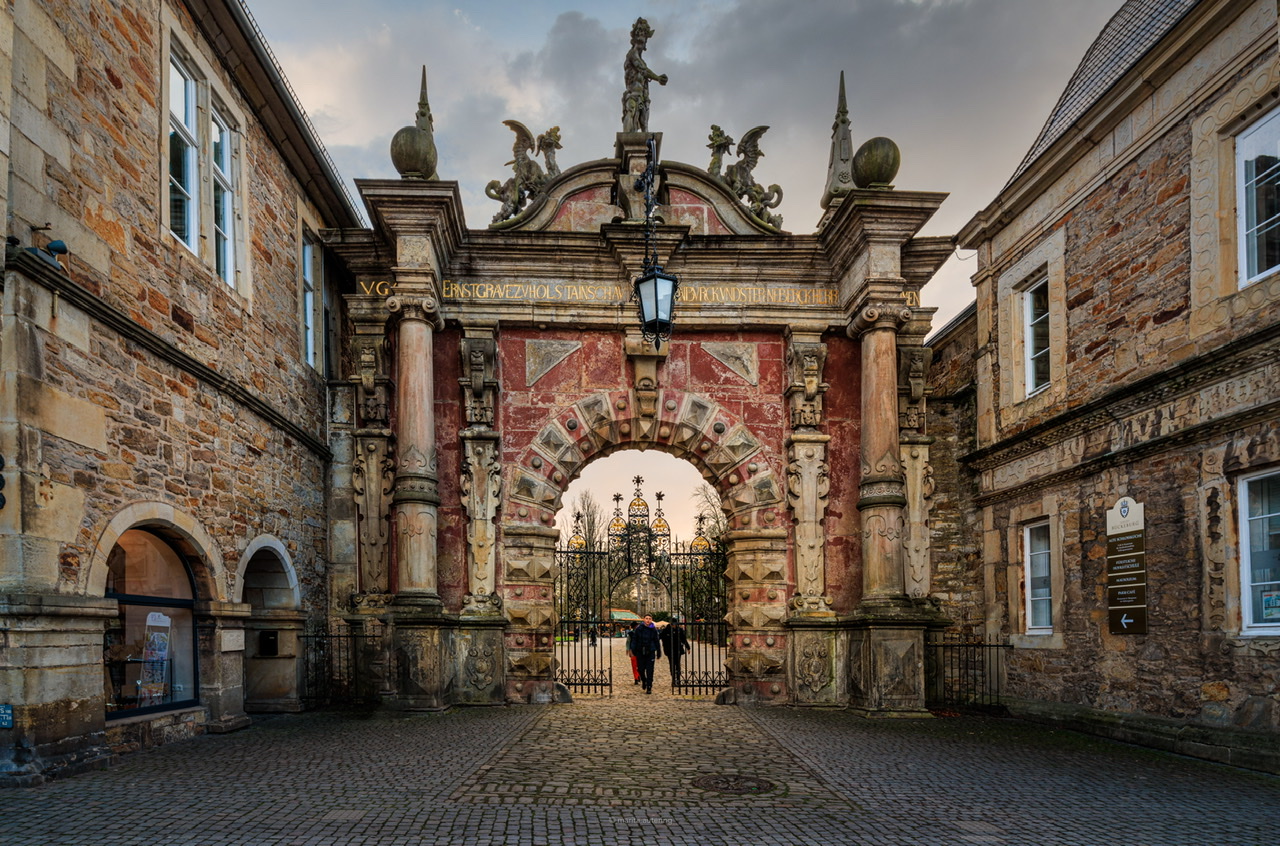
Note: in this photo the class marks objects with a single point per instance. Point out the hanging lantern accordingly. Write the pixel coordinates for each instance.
(655, 289)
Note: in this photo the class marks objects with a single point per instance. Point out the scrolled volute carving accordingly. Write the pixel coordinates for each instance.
(879, 316)
(425, 308)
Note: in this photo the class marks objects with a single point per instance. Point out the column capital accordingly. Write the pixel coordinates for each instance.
(424, 308)
(878, 315)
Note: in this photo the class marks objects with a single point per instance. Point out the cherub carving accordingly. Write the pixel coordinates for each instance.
(721, 144)
(548, 143)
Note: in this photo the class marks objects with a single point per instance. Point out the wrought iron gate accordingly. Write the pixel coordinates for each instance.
(342, 666)
(964, 672)
(604, 586)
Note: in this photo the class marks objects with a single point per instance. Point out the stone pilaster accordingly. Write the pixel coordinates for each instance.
(52, 655)
(757, 654)
(527, 599)
(220, 627)
(481, 488)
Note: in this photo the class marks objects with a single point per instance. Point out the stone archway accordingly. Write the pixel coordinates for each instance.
(220, 654)
(737, 463)
(267, 582)
(180, 529)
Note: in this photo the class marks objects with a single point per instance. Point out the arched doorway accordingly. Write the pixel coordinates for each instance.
(271, 660)
(607, 583)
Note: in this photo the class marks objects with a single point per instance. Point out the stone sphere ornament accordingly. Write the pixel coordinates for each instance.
(413, 148)
(876, 163)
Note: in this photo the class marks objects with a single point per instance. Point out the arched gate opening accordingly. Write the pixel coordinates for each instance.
(602, 590)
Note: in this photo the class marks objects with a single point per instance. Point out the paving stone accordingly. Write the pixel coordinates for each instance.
(609, 771)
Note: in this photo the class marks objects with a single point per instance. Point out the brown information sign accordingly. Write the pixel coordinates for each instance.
(1128, 620)
(1126, 568)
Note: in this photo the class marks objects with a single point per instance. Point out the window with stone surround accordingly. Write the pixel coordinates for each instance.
(1035, 573)
(1036, 547)
(311, 270)
(1234, 130)
(1031, 329)
(1258, 197)
(1035, 329)
(202, 164)
(1260, 553)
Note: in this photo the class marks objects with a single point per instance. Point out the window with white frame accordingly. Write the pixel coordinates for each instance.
(1039, 582)
(183, 162)
(312, 325)
(1260, 552)
(1035, 303)
(1258, 197)
(224, 197)
(202, 150)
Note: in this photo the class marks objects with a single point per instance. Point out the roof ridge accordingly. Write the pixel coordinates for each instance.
(1129, 35)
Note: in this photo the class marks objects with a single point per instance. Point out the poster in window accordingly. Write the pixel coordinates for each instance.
(1271, 605)
(152, 686)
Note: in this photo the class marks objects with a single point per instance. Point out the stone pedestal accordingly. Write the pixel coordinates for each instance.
(480, 662)
(818, 657)
(51, 673)
(422, 646)
(220, 629)
(886, 651)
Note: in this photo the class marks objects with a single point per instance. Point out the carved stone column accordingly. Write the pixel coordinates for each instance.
(882, 489)
(887, 641)
(416, 496)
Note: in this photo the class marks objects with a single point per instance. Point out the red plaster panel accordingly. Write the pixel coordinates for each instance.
(842, 404)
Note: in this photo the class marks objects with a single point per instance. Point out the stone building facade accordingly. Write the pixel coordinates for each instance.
(1109, 409)
(162, 378)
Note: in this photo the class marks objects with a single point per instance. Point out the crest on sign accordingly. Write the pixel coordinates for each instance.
(1126, 516)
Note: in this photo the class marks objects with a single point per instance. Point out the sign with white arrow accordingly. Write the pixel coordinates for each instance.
(1126, 568)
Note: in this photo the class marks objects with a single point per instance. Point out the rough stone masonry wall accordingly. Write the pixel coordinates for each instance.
(1127, 292)
(954, 521)
(1178, 669)
(89, 120)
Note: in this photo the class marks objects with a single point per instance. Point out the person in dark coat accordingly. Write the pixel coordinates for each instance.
(675, 643)
(647, 647)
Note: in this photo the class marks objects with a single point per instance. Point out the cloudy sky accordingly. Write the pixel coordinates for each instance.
(963, 87)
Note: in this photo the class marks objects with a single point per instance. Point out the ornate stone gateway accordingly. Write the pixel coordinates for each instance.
(487, 368)
(604, 586)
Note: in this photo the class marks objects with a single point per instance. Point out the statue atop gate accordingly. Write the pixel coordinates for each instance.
(635, 99)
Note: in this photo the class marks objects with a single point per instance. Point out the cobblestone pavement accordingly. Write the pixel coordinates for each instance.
(620, 771)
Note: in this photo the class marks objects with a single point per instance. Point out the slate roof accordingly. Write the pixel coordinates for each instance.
(1125, 39)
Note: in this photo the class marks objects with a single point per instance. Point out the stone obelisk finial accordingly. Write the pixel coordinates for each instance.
(840, 167)
(413, 148)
